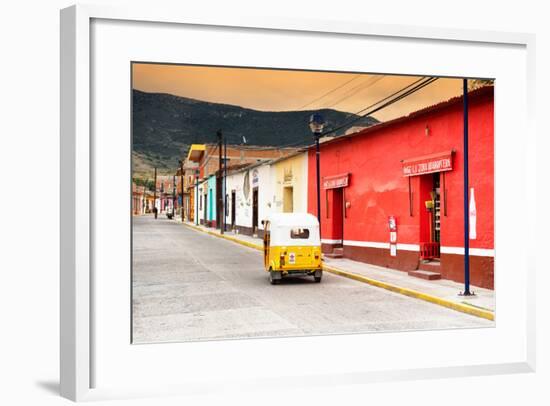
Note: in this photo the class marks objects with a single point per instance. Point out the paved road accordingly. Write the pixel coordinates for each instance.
(188, 285)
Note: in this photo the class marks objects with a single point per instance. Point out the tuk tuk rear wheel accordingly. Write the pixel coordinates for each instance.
(274, 279)
(318, 276)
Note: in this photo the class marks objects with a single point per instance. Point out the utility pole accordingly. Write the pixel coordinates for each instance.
(219, 205)
(155, 209)
(174, 196)
(224, 182)
(197, 197)
(181, 187)
(144, 200)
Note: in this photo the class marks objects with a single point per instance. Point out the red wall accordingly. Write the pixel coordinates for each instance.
(378, 189)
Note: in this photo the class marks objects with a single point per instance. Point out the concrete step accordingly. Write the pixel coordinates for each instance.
(425, 274)
(337, 252)
(431, 266)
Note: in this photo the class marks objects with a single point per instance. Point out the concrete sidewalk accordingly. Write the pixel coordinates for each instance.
(442, 292)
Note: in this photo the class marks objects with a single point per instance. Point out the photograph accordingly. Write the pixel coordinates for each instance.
(270, 202)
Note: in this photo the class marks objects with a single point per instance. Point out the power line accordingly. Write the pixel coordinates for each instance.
(401, 93)
(391, 95)
(329, 92)
(356, 90)
(390, 102)
(407, 89)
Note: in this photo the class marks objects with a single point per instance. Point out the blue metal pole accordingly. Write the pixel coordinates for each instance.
(466, 195)
(318, 156)
(224, 185)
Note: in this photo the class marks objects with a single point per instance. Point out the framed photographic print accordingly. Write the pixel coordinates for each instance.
(320, 196)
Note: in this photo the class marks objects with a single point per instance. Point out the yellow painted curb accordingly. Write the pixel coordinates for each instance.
(226, 237)
(464, 308)
(485, 314)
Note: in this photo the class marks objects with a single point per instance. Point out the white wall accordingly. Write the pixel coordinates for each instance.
(243, 209)
(242, 205)
(265, 193)
(203, 187)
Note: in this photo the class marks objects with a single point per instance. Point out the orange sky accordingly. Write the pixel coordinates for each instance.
(279, 90)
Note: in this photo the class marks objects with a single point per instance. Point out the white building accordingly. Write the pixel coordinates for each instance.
(272, 186)
(248, 194)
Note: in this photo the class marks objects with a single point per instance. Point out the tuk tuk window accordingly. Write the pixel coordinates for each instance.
(299, 233)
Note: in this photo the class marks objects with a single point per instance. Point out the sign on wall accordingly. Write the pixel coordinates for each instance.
(336, 181)
(439, 162)
(287, 175)
(255, 178)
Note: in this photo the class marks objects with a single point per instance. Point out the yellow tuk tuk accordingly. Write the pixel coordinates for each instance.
(292, 246)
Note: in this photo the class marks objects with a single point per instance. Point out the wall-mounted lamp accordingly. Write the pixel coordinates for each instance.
(427, 130)
(348, 205)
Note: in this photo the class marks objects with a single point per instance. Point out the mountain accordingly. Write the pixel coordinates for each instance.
(165, 125)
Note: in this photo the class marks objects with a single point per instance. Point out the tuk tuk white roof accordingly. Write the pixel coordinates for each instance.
(292, 219)
(282, 223)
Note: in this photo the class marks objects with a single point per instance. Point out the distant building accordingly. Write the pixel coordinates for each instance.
(165, 192)
(138, 199)
(186, 189)
(142, 200)
(206, 157)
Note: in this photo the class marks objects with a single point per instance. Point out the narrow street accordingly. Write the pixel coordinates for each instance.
(190, 286)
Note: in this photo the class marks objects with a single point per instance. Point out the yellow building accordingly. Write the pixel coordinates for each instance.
(290, 182)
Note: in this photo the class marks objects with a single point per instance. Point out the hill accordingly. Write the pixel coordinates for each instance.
(165, 125)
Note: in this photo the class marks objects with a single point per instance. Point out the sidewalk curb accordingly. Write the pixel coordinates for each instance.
(226, 237)
(464, 308)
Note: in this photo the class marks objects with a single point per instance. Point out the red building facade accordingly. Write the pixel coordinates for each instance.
(392, 194)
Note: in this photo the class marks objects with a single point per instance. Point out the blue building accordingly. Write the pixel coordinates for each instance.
(211, 201)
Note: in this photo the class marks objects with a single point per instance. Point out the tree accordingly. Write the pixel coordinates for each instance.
(477, 83)
(148, 183)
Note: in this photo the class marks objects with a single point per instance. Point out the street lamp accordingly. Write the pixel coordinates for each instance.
(316, 124)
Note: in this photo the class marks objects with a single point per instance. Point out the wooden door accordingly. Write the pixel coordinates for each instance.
(288, 199)
(338, 215)
(233, 206)
(254, 210)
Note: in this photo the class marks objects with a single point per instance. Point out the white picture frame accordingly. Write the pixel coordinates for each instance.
(77, 346)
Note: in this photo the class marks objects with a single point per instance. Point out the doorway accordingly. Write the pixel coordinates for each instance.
(254, 210)
(233, 205)
(430, 216)
(436, 193)
(211, 207)
(205, 208)
(337, 215)
(288, 199)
